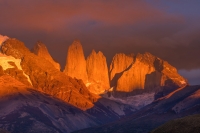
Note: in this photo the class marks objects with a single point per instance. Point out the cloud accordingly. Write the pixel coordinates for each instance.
(192, 75)
(50, 14)
(108, 25)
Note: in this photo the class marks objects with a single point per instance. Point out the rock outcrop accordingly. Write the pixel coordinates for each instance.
(120, 64)
(41, 50)
(134, 77)
(142, 72)
(97, 71)
(46, 78)
(3, 39)
(75, 62)
(10, 86)
(169, 80)
(11, 66)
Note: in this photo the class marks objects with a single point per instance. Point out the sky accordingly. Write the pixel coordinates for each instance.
(169, 29)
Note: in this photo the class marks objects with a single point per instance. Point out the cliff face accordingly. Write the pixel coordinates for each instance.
(75, 62)
(41, 50)
(143, 72)
(127, 73)
(170, 79)
(119, 65)
(93, 71)
(97, 71)
(134, 77)
(46, 78)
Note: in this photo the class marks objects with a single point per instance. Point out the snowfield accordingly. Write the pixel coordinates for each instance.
(137, 101)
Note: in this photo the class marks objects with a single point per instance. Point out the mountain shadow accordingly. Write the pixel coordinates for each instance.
(179, 103)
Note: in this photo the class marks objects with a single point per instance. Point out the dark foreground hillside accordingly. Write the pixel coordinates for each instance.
(189, 124)
(3, 131)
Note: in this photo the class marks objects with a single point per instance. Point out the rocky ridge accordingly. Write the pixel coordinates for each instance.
(24, 109)
(45, 77)
(157, 113)
(41, 50)
(127, 75)
(11, 66)
(143, 72)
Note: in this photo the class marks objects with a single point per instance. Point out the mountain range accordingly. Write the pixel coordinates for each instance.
(135, 93)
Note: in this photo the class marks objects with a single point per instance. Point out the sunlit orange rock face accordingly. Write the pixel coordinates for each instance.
(120, 64)
(75, 62)
(18, 74)
(45, 77)
(41, 50)
(10, 86)
(144, 71)
(93, 71)
(97, 71)
(11, 66)
(127, 73)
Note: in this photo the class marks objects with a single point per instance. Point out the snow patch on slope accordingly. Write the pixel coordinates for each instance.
(137, 101)
(88, 84)
(4, 62)
(116, 107)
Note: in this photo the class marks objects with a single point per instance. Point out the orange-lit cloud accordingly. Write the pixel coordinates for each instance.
(50, 14)
(107, 25)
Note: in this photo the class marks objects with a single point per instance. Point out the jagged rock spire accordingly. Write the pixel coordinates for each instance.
(41, 50)
(97, 71)
(75, 62)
